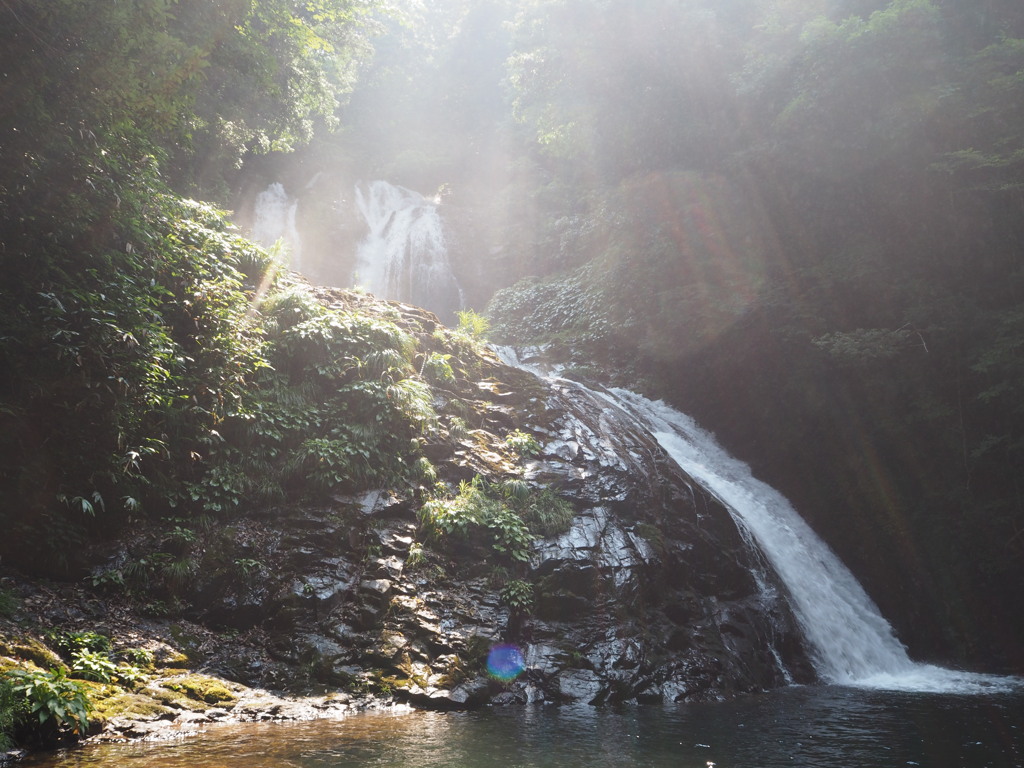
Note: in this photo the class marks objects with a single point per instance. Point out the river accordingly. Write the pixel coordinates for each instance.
(797, 726)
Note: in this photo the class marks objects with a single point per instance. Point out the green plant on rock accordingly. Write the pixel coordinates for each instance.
(249, 567)
(522, 444)
(424, 471)
(415, 557)
(517, 594)
(327, 463)
(473, 325)
(9, 603)
(13, 710)
(437, 368)
(90, 665)
(458, 515)
(475, 507)
(160, 570)
(130, 675)
(261, 267)
(545, 512)
(220, 490)
(289, 306)
(139, 657)
(68, 643)
(457, 428)
(107, 579)
(511, 535)
(58, 704)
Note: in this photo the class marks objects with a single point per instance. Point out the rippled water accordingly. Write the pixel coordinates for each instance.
(812, 726)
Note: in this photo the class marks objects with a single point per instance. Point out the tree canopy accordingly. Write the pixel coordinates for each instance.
(128, 334)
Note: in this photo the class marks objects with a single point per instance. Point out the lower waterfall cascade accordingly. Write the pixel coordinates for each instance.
(851, 643)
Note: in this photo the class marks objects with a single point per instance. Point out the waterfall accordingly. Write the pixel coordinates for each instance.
(850, 641)
(274, 214)
(404, 256)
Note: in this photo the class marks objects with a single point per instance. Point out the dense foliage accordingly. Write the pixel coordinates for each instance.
(131, 333)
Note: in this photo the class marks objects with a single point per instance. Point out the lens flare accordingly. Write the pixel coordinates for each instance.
(505, 662)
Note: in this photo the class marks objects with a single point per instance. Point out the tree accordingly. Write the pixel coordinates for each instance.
(126, 336)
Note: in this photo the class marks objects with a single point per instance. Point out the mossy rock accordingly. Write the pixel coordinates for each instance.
(172, 699)
(189, 643)
(201, 688)
(134, 706)
(172, 659)
(29, 649)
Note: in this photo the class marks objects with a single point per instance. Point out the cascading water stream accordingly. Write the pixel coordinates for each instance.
(274, 213)
(850, 641)
(404, 257)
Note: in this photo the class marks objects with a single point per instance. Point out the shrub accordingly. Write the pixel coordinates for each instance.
(59, 705)
(88, 665)
(518, 595)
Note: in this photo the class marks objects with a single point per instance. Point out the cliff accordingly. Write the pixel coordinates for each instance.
(551, 552)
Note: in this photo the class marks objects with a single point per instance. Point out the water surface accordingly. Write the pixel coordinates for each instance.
(800, 726)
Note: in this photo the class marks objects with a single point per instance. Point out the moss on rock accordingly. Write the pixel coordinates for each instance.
(201, 688)
(29, 649)
(134, 706)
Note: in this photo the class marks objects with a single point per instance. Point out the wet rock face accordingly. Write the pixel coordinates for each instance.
(648, 596)
(650, 593)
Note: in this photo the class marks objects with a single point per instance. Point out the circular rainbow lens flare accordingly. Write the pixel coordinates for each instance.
(505, 662)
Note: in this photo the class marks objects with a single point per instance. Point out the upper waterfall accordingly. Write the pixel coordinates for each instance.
(404, 256)
(274, 213)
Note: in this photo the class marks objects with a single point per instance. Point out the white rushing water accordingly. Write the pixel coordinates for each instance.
(274, 219)
(404, 256)
(850, 641)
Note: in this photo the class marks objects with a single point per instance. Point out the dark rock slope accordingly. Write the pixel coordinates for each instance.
(648, 596)
(642, 592)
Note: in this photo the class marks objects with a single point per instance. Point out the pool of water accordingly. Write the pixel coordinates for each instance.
(800, 726)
